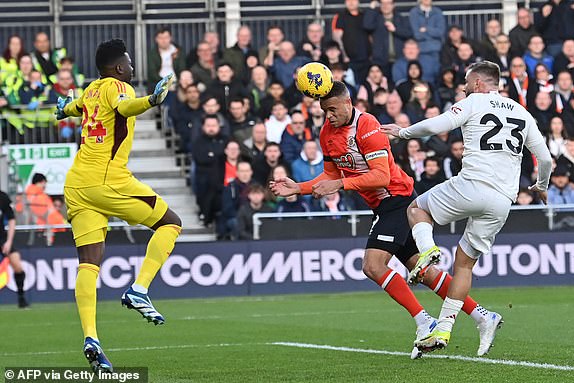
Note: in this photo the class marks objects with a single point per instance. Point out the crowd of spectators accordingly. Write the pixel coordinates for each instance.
(240, 118)
(238, 108)
(30, 84)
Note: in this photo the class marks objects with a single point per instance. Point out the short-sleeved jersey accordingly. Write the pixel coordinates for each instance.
(495, 130)
(107, 136)
(351, 146)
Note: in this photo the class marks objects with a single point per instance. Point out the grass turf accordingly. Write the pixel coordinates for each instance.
(228, 339)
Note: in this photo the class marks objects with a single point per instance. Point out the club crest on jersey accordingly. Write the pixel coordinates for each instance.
(455, 109)
(345, 161)
(351, 141)
(123, 97)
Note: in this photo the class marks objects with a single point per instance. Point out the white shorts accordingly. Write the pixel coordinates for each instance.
(460, 198)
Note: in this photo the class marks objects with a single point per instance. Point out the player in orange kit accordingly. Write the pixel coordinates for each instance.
(99, 185)
(357, 156)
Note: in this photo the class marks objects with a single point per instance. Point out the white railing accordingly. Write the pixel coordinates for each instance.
(354, 214)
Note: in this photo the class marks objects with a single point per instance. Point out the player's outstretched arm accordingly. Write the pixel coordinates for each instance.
(68, 107)
(424, 128)
(535, 143)
(285, 187)
(136, 106)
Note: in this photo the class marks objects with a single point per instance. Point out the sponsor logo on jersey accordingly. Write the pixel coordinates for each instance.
(369, 134)
(377, 154)
(123, 97)
(99, 139)
(346, 161)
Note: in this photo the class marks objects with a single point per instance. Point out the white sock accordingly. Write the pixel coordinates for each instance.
(139, 289)
(448, 313)
(479, 314)
(422, 318)
(422, 233)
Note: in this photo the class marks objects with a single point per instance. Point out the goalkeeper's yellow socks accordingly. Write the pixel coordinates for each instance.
(86, 297)
(158, 249)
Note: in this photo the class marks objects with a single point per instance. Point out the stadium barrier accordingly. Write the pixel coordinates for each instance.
(522, 219)
(281, 267)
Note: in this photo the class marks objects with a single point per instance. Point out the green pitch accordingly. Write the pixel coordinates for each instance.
(232, 339)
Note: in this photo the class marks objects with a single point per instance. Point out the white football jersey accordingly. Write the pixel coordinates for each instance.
(495, 130)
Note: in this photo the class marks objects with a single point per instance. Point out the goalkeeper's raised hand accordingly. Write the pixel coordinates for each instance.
(161, 89)
(62, 102)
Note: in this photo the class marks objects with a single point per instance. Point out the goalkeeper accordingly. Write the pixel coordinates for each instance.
(99, 185)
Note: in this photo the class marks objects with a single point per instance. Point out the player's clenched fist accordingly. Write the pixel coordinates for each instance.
(284, 187)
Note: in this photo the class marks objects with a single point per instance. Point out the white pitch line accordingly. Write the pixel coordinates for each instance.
(145, 348)
(505, 362)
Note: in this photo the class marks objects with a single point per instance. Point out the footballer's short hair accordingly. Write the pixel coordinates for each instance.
(339, 89)
(109, 52)
(487, 70)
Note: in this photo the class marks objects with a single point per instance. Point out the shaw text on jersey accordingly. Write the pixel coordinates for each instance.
(503, 105)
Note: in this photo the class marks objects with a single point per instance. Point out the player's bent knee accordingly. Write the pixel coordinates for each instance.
(375, 263)
(92, 253)
(169, 218)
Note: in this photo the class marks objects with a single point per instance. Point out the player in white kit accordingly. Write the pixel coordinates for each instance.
(495, 129)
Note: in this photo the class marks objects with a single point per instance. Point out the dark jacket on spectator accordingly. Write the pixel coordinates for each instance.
(448, 53)
(519, 39)
(543, 117)
(451, 166)
(224, 92)
(245, 219)
(262, 170)
(428, 182)
(241, 131)
(374, 23)
(187, 123)
(202, 75)
(208, 155)
(26, 94)
(415, 111)
(563, 63)
(298, 206)
(154, 65)
(440, 147)
(234, 195)
(236, 58)
(249, 151)
(48, 67)
(291, 144)
(567, 162)
(531, 91)
(559, 25)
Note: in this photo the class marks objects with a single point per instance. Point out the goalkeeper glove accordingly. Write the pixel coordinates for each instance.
(62, 102)
(161, 89)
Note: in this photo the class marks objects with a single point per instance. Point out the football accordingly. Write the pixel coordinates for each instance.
(314, 80)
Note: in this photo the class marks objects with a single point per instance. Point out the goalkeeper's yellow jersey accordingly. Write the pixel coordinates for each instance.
(108, 107)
